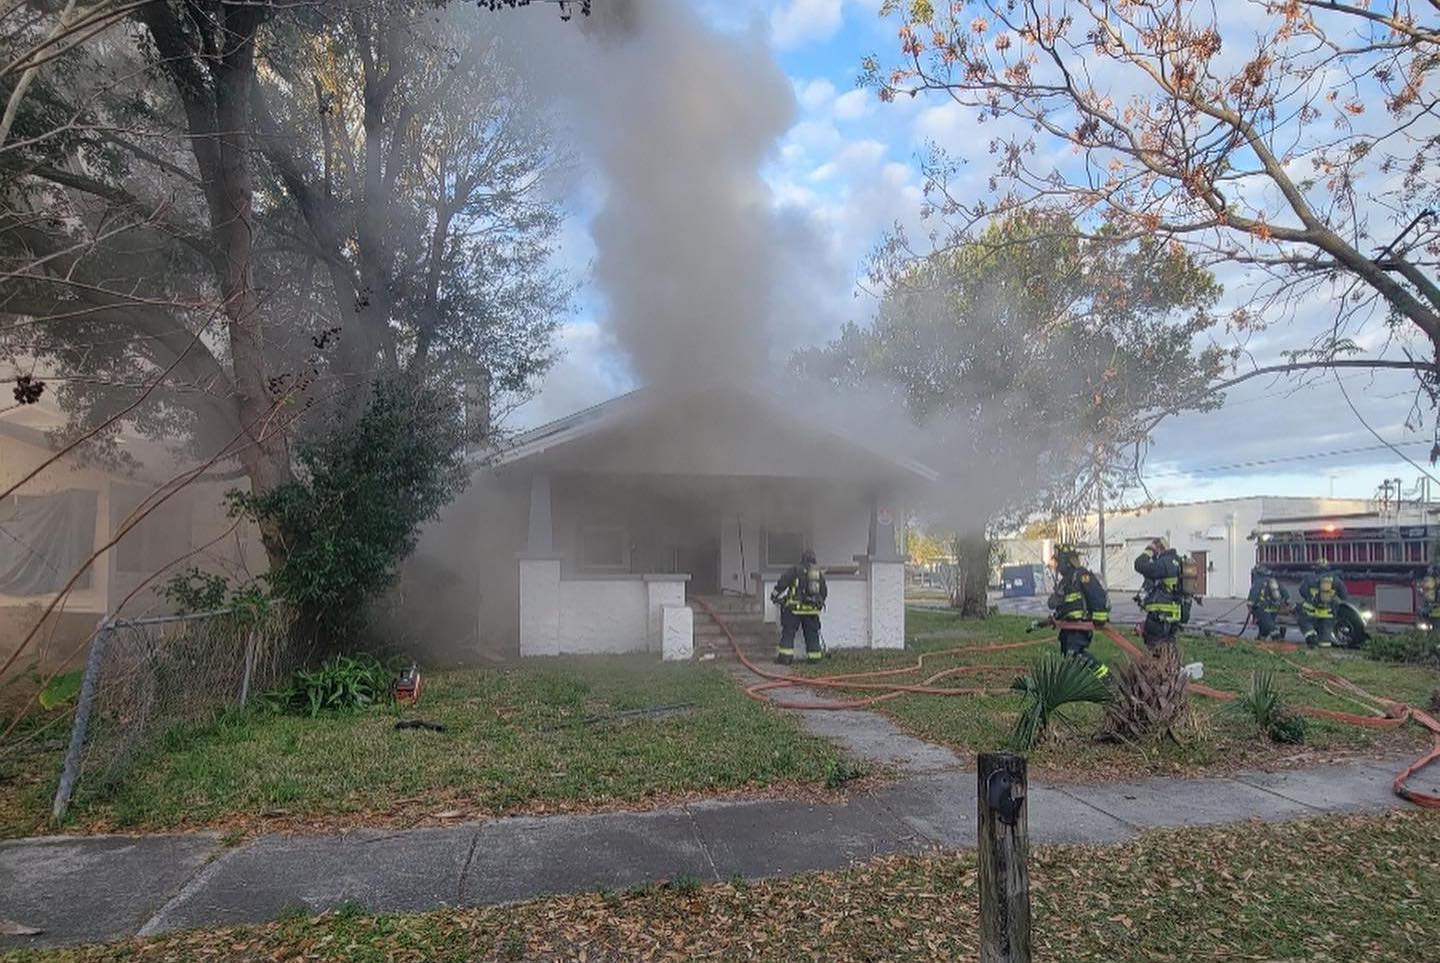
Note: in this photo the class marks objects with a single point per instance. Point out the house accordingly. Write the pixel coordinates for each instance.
(53, 523)
(598, 524)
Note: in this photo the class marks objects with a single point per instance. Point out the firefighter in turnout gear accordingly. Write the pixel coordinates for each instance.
(1079, 596)
(1267, 598)
(1161, 596)
(1427, 591)
(1320, 590)
(800, 593)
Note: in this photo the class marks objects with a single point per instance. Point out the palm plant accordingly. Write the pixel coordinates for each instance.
(1054, 682)
(1148, 696)
(1264, 703)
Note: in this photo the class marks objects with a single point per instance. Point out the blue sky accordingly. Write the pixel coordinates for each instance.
(849, 168)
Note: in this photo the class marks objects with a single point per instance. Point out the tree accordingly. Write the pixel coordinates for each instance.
(1034, 362)
(1302, 150)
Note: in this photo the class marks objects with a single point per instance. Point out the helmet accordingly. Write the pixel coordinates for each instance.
(1322, 562)
(1066, 556)
(1259, 571)
(807, 557)
(1160, 544)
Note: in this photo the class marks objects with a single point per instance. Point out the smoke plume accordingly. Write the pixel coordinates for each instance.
(678, 121)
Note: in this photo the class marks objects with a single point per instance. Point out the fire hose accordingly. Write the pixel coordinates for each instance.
(1390, 714)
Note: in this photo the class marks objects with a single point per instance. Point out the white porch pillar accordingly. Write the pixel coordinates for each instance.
(540, 577)
(884, 568)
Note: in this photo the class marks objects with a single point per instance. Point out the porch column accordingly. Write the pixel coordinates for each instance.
(539, 577)
(884, 569)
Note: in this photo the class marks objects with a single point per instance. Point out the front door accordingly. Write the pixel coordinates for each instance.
(1202, 565)
(701, 558)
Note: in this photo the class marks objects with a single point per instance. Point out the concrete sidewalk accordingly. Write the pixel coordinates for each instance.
(96, 888)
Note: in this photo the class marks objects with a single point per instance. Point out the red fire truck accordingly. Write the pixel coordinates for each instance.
(1380, 555)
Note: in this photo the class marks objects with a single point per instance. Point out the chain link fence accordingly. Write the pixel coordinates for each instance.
(145, 677)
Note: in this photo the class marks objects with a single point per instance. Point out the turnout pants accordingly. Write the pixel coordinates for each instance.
(1158, 630)
(809, 625)
(1267, 624)
(1076, 643)
(1317, 629)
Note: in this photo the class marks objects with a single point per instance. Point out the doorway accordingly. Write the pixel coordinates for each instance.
(1202, 571)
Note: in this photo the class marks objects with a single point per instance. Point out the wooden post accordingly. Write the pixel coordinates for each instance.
(1004, 850)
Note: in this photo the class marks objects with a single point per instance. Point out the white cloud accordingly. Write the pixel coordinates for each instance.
(853, 105)
(806, 21)
(816, 94)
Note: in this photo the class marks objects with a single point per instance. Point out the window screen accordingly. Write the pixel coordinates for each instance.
(44, 539)
(161, 538)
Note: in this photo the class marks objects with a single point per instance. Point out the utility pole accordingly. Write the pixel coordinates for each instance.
(1100, 514)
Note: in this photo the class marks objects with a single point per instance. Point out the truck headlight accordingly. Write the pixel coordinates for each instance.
(1366, 615)
(1423, 626)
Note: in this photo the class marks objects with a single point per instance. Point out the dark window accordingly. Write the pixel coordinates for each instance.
(603, 547)
(783, 548)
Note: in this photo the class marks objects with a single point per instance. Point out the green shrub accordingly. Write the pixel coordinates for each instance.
(1265, 705)
(342, 684)
(1419, 648)
(1053, 683)
(353, 512)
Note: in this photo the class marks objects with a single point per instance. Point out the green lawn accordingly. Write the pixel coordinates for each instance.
(1356, 889)
(517, 740)
(1218, 738)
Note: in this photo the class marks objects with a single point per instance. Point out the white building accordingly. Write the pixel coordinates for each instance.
(598, 527)
(1216, 533)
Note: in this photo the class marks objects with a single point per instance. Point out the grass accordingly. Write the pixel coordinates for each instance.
(518, 740)
(1349, 889)
(1218, 739)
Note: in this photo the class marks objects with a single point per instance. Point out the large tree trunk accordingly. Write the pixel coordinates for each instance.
(214, 84)
(972, 575)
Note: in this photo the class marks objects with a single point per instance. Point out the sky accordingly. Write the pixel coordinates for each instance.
(849, 169)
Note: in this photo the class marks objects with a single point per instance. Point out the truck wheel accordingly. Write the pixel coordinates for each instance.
(1349, 629)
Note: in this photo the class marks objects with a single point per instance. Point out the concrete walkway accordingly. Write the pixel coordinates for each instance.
(96, 888)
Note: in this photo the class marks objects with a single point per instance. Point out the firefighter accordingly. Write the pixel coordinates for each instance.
(1079, 596)
(800, 593)
(1161, 596)
(1267, 598)
(1319, 591)
(1427, 590)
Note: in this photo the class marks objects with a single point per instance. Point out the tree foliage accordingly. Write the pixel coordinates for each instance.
(1294, 141)
(359, 496)
(1035, 361)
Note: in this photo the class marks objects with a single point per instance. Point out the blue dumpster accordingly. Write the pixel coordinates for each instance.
(1021, 581)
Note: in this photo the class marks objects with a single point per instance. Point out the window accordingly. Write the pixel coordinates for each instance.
(603, 547)
(161, 537)
(783, 548)
(44, 539)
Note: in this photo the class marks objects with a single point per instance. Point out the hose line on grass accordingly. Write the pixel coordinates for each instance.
(1388, 713)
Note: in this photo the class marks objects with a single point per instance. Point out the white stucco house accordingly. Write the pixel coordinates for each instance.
(603, 528)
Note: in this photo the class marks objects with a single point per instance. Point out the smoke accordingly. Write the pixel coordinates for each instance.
(678, 121)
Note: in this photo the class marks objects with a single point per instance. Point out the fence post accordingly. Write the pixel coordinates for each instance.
(249, 669)
(83, 704)
(1004, 849)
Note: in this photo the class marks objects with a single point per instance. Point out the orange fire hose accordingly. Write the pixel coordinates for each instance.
(1389, 713)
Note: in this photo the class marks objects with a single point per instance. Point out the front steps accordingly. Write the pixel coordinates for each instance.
(744, 617)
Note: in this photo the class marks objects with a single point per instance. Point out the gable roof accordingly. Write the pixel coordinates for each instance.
(635, 405)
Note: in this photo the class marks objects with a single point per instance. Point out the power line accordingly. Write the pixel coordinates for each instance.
(1361, 418)
(1307, 456)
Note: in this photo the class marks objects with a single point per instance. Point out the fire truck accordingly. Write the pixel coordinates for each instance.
(1380, 554)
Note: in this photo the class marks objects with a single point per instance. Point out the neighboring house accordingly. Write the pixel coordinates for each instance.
(55, 522)
(594, 523)
(1216, 533)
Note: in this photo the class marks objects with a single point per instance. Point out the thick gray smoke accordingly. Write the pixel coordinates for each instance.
(679, 121)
